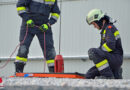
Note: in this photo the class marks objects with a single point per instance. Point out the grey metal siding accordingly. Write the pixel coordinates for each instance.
(77, 37)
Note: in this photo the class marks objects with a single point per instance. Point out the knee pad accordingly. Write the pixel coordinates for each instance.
(92, 54)
(50, 54)
(22, 50)
(96, 54)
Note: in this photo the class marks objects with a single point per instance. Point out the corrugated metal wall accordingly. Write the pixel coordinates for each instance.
(77, 36)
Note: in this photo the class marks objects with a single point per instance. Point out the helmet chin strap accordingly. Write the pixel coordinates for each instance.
(100, 24)
(103, 23)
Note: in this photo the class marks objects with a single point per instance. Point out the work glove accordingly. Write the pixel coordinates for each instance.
(44, 27)
(30, 23)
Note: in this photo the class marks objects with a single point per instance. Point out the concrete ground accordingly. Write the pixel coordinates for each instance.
(64, 84)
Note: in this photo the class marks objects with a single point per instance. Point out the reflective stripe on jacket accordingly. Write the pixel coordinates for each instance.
(42, 7)
(110, 39)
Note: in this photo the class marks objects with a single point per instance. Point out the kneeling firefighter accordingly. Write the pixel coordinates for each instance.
(108, 58)
(42, 13)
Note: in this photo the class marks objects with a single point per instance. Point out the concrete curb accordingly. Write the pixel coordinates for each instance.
(64, 84)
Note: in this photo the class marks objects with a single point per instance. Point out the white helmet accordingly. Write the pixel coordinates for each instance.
(94, 15)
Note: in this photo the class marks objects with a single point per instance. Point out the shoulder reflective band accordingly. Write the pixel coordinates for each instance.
(50, 61)
(21, 59)
(49, 1)
(106, 48)
(116, 34)
(102, 65)
(21, 9)
(55, 16)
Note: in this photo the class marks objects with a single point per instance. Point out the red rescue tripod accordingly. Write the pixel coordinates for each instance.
(59, 62)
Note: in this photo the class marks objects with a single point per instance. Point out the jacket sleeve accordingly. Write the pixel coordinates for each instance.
(55, 13)
(22, 8)
(110, 43)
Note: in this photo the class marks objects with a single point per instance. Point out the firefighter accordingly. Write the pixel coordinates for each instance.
(42, 13)
(108, 58)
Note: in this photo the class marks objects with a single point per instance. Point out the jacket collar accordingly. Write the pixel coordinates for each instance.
(105, 25)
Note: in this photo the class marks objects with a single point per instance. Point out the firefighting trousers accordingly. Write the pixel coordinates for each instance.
(24, 48)
(106, 64)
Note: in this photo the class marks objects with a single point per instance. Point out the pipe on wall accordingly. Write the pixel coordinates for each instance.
(80, 57)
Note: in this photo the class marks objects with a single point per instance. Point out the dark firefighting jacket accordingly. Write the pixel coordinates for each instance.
(110, 40)
(46, 10)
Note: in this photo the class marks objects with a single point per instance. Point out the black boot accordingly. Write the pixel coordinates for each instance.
(51, 69)
(19, 66)
(118, 74)
(104, 77)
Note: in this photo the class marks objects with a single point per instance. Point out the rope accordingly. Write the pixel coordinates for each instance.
(21, 44)
(44, 51)
(15, 49)
(60, 27)
(44, 42)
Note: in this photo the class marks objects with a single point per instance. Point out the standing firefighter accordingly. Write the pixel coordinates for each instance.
(42, 13)
(108, 58)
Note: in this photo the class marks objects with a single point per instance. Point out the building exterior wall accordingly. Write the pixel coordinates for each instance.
(70, 66)
(76, 36)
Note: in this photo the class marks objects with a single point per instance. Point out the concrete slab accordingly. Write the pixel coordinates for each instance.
(64, 84)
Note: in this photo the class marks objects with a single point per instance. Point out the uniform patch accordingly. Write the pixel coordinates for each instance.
(109, 27)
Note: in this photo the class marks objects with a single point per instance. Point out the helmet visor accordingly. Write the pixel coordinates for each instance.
(89, 20)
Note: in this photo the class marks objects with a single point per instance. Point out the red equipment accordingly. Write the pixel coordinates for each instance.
(0, 80)
(55, 75)
(59, 64)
